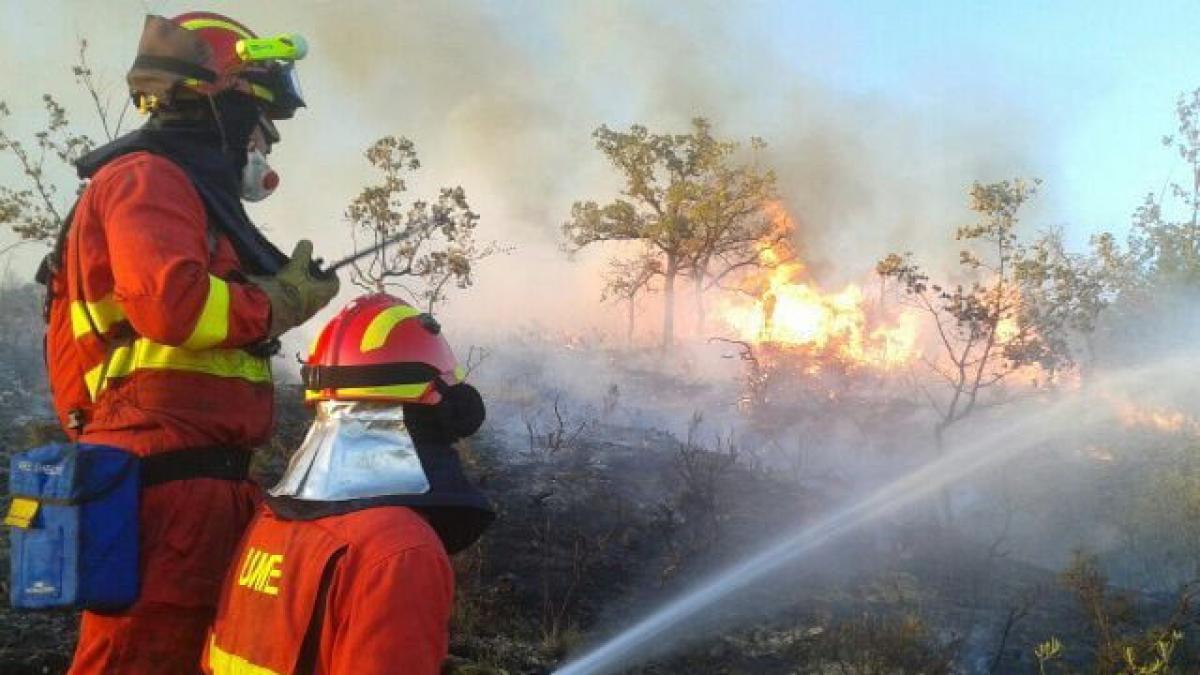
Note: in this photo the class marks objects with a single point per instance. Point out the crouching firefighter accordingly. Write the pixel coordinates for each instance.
(163, 303)
(345, 568)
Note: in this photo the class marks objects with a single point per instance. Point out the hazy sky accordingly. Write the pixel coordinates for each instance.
(1101, 77)
(879, 114)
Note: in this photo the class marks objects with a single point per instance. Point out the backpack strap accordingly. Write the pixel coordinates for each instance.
(52, 262)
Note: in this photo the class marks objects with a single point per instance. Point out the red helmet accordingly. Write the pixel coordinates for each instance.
(380, 348)
(209, 53)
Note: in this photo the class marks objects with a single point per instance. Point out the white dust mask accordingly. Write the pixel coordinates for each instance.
(259, 180)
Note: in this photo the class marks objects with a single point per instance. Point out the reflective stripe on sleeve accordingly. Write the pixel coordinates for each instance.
(104, 314)
(213, 326)
(223, 663)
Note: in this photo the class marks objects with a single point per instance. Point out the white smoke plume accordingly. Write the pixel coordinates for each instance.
(502, 99)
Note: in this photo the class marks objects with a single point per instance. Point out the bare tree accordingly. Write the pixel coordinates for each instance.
(111, 121)
(35, 211)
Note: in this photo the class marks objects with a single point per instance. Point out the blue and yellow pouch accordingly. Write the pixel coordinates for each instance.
(74, 527)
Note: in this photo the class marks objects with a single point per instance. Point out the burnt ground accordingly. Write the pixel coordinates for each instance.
(600, 520)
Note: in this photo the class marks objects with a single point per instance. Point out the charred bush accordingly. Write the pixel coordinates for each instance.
(701, 474)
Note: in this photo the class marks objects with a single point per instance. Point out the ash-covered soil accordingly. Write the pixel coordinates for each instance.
(614, 497)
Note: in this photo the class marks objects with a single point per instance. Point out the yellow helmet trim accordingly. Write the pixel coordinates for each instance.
(404, 392)
(381, 326)
(197, 24)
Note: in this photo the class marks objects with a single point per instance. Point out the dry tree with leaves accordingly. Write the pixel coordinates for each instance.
(436, 244)
(983, 328)
(687, 202)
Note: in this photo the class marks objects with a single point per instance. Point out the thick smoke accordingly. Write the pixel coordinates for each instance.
(502, 100)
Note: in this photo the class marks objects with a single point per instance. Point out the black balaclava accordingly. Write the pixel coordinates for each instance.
(213, 156)
(219, 124)
(237, 116)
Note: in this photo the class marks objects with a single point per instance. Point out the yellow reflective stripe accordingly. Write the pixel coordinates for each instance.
(405, 391)
(197, 24)
(92, 379)
(144, 354)
(223, 663)
(105, 314)
(381, 326)
(213, 326)
(262, 92)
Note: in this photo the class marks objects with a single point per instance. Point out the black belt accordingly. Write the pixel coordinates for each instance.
(220, 463)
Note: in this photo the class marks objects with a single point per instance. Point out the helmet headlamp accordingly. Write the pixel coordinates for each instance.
(282, 47)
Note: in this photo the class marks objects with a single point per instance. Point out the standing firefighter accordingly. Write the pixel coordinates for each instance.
(164, 304)
(345, 570)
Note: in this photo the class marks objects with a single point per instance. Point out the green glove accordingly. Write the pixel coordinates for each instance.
(296, 294)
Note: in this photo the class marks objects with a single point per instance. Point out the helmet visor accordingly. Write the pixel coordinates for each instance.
(278, 86)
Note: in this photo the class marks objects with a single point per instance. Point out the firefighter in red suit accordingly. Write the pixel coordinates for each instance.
(345, 569)
(164, 302)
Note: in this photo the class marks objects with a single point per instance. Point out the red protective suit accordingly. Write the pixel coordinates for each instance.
(363, 593)
(147, 316)
(147, 284)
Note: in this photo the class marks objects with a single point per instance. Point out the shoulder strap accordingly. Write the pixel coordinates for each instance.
(306, 664)
(52, 262)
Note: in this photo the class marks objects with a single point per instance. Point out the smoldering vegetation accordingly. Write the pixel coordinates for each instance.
(624, 478)
(1053, 541)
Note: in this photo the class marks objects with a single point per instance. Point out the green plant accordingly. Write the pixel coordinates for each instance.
(1046, 652)
(1123, 645)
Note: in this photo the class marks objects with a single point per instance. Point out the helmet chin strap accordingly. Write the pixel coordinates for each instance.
(258, 179)
(216, 114)
(236, 116)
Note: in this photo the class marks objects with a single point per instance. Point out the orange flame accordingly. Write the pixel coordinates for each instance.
(1159, 419)
(792, 313)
